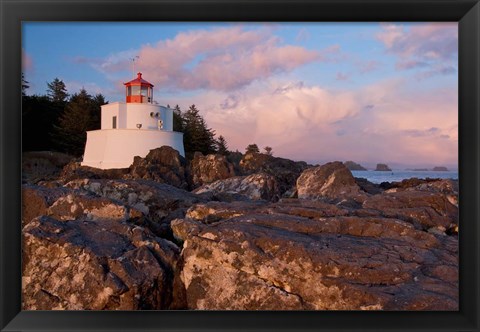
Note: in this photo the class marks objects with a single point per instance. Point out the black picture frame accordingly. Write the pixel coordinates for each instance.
(13, 12)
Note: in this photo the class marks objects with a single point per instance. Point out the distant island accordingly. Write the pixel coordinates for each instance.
(383, 168)
(353, 166)
(435, 169)
(440, 169)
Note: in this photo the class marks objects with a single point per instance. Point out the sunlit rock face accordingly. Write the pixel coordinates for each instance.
(256, 186)
(285, 256)
(109, 243)
(331, 181)
(210, 168)
(102, 264)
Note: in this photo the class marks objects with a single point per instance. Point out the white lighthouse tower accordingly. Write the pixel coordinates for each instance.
(131, 129)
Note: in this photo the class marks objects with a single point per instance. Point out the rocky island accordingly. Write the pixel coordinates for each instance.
(248, 232)
(353, 166)
(383, 168)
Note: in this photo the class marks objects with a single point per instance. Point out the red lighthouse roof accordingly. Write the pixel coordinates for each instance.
(139, 81)
(139, 90)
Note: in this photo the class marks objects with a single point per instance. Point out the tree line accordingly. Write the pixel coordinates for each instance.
(58, 121)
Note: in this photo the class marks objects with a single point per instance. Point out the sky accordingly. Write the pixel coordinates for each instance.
(318, 92)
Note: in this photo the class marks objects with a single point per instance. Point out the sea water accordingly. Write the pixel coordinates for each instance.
(399, 175)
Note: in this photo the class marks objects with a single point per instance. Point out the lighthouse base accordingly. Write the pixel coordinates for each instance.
(116, 148)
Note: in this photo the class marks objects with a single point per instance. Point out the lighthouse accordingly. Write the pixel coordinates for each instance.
(131, 128)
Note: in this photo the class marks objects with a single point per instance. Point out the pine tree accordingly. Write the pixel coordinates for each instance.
(57, 91)
(25, 85)
(222, 147)
(177, 119)
(252, 148)
(197, 137)
(78, 117)
(96, 113)
(268, 150)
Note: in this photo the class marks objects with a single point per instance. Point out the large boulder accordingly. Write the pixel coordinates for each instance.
(210, 168)
(164, 165)
(332, 181)
(251, 260)
(101, 264)
(256, 186)
(284, 170)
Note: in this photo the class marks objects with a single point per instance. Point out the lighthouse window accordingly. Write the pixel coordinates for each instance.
(144, 90)
(114, 122)
(136, 90)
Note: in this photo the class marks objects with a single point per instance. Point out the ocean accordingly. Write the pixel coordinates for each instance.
(399, 175)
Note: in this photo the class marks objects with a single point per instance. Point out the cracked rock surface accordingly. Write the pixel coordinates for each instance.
(103, 264)
(242, 243)
(284, 256)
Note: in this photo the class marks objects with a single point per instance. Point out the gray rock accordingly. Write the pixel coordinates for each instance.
(256, 186)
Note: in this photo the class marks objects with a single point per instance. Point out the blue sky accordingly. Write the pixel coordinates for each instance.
(369, 92)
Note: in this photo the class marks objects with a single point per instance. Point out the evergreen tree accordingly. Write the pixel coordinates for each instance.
(222, 147)
(268, 150)
(197, 137)
(39, 115)
(96, 113)
(57, 91)
(177, 119)
(252, 148)
(79, 116)
(25, 85)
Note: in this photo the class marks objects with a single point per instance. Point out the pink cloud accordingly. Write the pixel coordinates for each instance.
(425, 45)
(384, 122)
(221, 59)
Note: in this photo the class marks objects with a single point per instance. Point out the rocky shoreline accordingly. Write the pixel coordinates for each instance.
(248, 232)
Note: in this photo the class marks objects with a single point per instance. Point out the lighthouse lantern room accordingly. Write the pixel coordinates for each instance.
(131, 128)
(139, 90)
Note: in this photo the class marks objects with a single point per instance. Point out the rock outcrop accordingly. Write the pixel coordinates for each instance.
(440, 169)
(164, 165)
(303, 260)
(74, 170)
(255, 186)
(157, 203)
(102, 245)
(128, 240)
(383, 168)
(102, 264)
(285, 171)
(210, 168)
(331, 181)
(424, 209)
